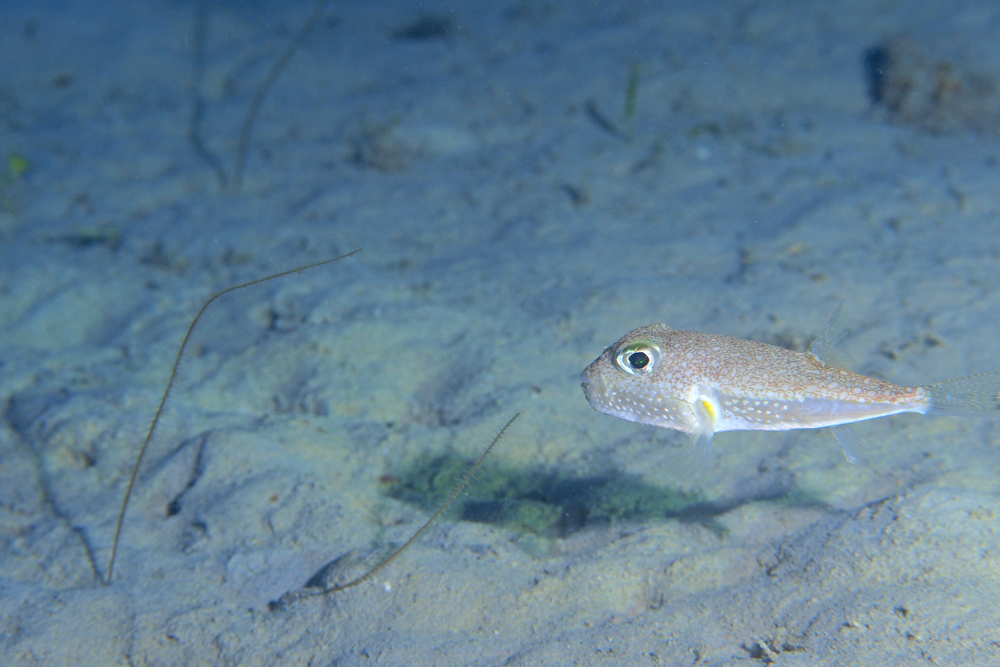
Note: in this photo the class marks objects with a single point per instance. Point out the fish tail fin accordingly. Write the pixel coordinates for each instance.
(972, 396)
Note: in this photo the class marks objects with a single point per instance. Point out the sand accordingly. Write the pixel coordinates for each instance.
(529, 181)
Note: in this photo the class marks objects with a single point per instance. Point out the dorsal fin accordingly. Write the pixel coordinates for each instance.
(828, 348)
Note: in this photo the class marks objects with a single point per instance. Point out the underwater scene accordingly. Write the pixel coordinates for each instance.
(330, 332)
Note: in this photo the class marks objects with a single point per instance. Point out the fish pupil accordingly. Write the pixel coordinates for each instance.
(638, 360)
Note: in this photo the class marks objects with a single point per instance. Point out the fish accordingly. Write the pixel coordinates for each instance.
(703, 384)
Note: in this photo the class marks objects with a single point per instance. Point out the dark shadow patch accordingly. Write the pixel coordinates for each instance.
(425, 27)
(876, 62)
(85, 238)
(768, 651)
(554, 504)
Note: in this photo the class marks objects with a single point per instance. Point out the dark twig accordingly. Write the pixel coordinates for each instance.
(170, 384)
(197, 101)
(291, 597)
(264, 88)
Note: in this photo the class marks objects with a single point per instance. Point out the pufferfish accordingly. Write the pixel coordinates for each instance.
(702, 383)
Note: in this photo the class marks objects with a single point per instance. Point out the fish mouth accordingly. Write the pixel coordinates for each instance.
(592, 387)
(585, 385)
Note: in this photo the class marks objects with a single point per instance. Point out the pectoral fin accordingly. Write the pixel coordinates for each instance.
(705, 416)
(849, 438)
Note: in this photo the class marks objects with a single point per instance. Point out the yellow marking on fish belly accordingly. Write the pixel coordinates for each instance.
(702, 383)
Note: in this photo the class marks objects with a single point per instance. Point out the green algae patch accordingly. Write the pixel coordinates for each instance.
(17, 166)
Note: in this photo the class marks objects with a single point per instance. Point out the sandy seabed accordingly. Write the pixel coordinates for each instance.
(529, 181)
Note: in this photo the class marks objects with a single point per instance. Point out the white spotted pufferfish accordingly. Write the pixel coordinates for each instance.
(702, 383)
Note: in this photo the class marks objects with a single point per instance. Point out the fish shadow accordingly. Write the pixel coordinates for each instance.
(556, 504)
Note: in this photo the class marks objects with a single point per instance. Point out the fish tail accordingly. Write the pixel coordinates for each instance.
(973, 396)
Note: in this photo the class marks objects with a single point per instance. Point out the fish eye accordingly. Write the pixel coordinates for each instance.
(638, 358)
